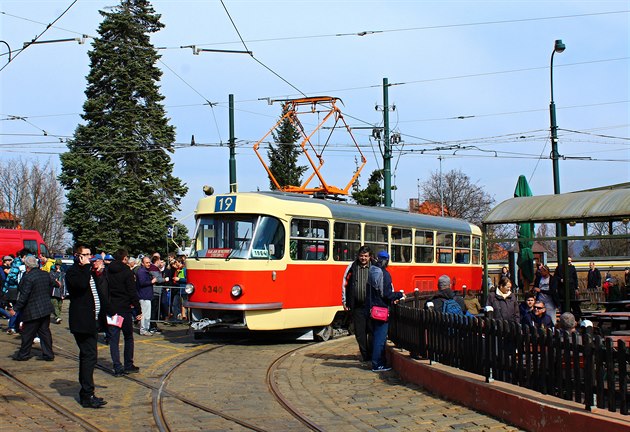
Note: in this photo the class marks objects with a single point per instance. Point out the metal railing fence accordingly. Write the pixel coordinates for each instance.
(580, 367)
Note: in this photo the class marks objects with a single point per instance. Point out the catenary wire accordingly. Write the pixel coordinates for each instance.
(252, 55)
(39, 35)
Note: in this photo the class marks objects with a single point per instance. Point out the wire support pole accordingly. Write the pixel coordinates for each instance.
(387, 154)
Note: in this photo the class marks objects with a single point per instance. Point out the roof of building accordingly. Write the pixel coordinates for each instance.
(586, 206)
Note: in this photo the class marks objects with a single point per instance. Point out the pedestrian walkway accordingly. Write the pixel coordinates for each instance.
(324, 381)
(328, 383)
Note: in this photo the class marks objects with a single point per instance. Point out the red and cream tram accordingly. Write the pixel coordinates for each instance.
(275, 261)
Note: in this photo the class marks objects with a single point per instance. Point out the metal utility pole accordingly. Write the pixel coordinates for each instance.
(387, 155)
(232, 146)
(561, 228)
(440, 186)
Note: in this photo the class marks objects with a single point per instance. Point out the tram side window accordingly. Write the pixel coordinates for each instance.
(376, 237)
(401, 245)
(476, 250)
(424, 246)
(462, 249)
(309, 240)
(444, 248)
(346, 241)
(269, 240)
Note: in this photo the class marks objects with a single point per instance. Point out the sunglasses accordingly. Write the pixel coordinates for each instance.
(538, 307)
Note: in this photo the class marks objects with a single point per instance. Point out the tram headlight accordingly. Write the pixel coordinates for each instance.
(237, 291)
(189, 289)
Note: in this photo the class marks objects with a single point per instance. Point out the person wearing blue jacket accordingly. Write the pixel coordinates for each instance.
(380, 293)
(144, 285)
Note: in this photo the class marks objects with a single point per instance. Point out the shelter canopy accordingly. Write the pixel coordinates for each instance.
(588, 206)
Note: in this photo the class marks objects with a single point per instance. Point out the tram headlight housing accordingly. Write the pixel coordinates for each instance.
(237, 291)
(189, 289)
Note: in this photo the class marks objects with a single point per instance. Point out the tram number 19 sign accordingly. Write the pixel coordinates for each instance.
(225, 203)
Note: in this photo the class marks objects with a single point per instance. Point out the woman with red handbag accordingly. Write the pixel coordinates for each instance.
(380, 295)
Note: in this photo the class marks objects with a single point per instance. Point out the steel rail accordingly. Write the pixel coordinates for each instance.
(275, 391)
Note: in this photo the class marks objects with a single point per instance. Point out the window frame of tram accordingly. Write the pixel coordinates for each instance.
(462, 248)
(401, 244)
(476, 250)
(424, 246)
(444, 247)
(260, 237)
(299, 244)
(346, 240)
(376, 237)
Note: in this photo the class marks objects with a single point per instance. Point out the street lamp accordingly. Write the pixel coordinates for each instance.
(558, 48)
(561, 228)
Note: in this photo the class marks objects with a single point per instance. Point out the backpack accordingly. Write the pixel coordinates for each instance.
(450, 306)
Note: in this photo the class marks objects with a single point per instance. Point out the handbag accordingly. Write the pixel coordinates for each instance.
(379, 313)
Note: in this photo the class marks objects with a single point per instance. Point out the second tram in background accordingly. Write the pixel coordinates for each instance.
(275, 261)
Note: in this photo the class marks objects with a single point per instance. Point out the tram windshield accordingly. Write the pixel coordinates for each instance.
(239, 236)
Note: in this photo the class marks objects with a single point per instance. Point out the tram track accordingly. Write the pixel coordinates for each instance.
(69, 414)
(159, 391)
(275, 391)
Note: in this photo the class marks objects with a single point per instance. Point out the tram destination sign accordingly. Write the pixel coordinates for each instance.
(218, 253)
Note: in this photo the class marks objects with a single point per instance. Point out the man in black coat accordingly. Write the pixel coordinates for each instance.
(121, 285)
(594, 278)
(34, 305)
(88, 304)
(353, 298)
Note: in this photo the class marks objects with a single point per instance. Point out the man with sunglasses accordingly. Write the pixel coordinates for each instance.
(88, 305)
(539, 317)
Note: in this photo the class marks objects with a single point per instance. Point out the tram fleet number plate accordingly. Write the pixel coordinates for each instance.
(225, 203)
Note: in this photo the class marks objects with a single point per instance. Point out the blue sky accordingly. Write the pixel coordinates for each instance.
(485, 61)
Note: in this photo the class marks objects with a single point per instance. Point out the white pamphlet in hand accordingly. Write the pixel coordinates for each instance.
(115, 320)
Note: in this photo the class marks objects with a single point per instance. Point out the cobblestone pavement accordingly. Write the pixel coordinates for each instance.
(325, 382)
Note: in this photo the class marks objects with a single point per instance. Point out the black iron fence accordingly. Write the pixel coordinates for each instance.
(592, 370)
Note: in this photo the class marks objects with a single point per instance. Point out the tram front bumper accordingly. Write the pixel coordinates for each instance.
(212, 315)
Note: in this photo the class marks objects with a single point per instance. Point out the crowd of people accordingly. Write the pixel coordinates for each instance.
(109, 293)
(367, 283)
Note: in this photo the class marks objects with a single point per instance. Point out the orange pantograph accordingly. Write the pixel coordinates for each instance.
(313, 106)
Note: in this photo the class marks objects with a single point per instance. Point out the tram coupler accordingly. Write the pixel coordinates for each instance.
(205, 324)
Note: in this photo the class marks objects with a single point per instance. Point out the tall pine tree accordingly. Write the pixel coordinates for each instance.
(283, 156)
(117, 171)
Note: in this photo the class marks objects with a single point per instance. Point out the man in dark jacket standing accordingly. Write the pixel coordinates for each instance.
(88, 303)
(353, 298)
(144, 288)
(33, 303)
(594, 278)
(122, 297)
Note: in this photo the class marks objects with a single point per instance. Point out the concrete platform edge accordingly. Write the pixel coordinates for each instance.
(520, 407)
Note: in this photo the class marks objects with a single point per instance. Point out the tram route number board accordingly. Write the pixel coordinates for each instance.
(225, 203)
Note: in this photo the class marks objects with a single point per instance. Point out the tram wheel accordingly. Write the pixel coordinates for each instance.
(323, 334)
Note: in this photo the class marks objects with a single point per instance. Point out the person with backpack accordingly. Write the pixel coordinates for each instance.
(445, 300)
(504, 302)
